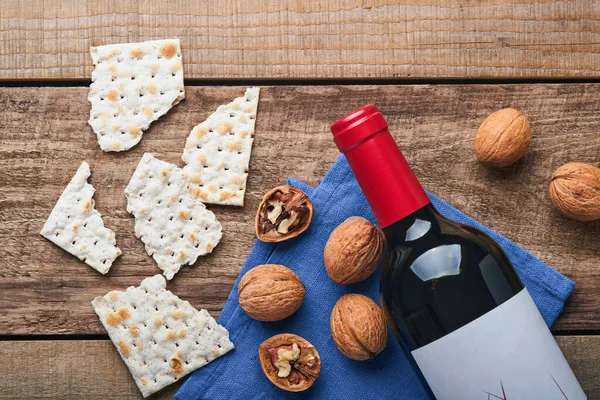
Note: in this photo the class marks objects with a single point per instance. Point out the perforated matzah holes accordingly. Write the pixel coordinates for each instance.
(160, 337)
(75, 226)
(175, 227)
(217, 152)
(133, 85)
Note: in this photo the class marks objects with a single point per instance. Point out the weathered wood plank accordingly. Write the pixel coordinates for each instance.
(43, 39)
(44, 136)
(68, 369)
(92, 369)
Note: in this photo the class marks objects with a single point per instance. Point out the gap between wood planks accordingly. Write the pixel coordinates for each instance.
(323, 82)
(20, 338)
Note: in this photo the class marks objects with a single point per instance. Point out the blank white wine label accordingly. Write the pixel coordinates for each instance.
(507, 354)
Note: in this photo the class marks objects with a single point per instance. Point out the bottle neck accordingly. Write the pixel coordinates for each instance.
(390, 186)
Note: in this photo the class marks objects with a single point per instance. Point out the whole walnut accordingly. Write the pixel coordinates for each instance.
(502, 138)
(270, 292)
(575, 191)
(358, 327)
(353, 251)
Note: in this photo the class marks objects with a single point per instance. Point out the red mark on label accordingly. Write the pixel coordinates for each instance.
(493, 396)
(559, 388)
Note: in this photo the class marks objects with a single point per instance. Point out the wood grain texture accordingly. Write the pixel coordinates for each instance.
(68, 370)
(50, 39)
(44, 136)
(92, 369)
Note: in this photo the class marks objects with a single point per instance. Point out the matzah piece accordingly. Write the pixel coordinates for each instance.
(217, 152)
(75, 226)
(133, 84)
(160, 337)
(175, 227)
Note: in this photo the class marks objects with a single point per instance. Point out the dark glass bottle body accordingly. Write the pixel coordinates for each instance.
(444, 285)
(440, 276)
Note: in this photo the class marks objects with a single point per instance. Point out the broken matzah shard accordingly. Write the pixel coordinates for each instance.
(160, 337)
(217, 151)
(175, 227)
(75, 226)
(133, 84)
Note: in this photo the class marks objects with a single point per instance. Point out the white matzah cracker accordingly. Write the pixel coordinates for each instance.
(175, 227)
(75, 226)
(133, 85)
(217, 152)
(160, 337)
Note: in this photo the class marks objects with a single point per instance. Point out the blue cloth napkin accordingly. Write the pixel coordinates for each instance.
(237, 375)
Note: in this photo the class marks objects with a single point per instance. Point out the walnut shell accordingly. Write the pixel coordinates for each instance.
(575, 191)
(270, 292)
(358, 327)
(353, 251)
(299, 368)
(502, 138)
(284, 213)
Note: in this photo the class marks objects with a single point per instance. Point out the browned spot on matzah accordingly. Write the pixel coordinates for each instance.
(224, 127)
(177, 65)
(212, 188)
(181, 333)
(234, 146)
(125, 350)
(133, 130)
(124, 313)
(177, 314)
(170, 334)
(152, 88)
(134, 330)
(112, 95)
(195, 192)
(200, 132)
(87, 206)
(157, 322)
(169, 49)
(182, 214)
(226, 195)
(137, 53)
(113, 319)
(236, 179)
(113, 53)
(113, 296)
(177, 363)
(195, 178)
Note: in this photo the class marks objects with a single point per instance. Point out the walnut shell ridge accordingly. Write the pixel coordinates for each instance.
(353, 251)
(503, 138)
(358, 327)
(575, 191)
(270, 292)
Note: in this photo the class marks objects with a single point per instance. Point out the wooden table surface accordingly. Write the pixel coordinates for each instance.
(435, 69)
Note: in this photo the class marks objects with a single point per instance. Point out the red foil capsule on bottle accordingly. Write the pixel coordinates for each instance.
(387, 181)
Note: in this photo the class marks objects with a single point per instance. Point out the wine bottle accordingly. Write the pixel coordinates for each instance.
(449, 292)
